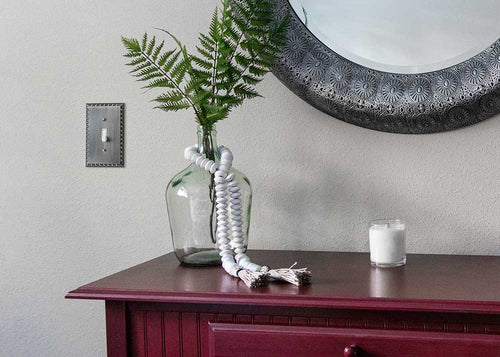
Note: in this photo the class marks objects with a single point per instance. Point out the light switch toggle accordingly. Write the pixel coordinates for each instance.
(104, 135)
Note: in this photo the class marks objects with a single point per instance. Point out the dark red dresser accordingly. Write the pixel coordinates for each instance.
(436, 305)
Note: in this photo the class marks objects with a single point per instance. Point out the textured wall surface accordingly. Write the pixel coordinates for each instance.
(317, 181)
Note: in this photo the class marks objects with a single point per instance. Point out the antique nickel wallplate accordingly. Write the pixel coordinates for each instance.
(105, 135)
(446, 99)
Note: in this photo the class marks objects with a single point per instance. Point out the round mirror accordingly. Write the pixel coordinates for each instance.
(403, 36)
(399, 66)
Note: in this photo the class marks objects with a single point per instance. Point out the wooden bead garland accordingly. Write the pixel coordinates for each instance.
(230, 234)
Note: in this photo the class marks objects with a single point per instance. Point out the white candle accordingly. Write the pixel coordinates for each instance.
(387, 243)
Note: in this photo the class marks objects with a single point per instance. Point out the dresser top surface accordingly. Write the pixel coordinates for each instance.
(340, 280)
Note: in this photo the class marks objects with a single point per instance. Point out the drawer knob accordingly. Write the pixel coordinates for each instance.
(352, 351)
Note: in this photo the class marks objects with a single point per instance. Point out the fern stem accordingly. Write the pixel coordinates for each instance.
(214, 71)
(238, 43)
(242, 34)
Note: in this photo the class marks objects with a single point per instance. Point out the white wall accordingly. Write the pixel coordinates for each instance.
(317, 181)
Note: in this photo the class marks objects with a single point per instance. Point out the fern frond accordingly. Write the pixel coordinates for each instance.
(161, 70)
(251, 80)
(157, 51)
(173, 107)
(230, 32)
(137, 61)
(170, 97)
(140, 67)
(159, 83)
(164, 57)
(242, 11)
(170, 63)
(201, 62)
(179, 71)
(240, 47)
(242, 60)
(214, 26)
(216, 113)
(205, 54)
(146, 71)
(245, 91)
(144, 42)
(196, 84)
(131, 44)
(151, 46)
(200, 96)
(150, 76)
(257, 71)
(207, 43)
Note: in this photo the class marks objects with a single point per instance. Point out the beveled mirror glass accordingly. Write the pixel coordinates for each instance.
(399, 66)
(403, 36)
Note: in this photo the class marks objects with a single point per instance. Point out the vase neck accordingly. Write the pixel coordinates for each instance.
(207, 142)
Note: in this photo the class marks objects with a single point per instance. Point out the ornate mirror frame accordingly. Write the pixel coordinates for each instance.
(443, 100)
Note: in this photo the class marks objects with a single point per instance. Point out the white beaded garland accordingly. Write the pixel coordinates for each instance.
(232, 251)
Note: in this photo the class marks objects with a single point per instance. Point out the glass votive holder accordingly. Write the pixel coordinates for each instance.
(387, 243)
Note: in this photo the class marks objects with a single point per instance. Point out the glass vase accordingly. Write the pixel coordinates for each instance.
(191, 207)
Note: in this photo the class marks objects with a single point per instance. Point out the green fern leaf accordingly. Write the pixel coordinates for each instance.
(170, 97)
(137, 61)
(150, 76)
(140, 67)
(239, 24)
(164, 57)
(257, 71)
(173, 107)
(220, 114)
(207, 43)
(179, 71)
(250, 79)
(259, 22)
(144, 42)
(151, 46)
(205, 54)
(244, 12)
(157, 51)
(159, 83)
(131, 44)
(201, 62)
(170, 63)
(242, 60)
(132, 54)
(200, 96)
(195, 84)
(146, 72)
(214, 26)
(244, 91)
(230, 32)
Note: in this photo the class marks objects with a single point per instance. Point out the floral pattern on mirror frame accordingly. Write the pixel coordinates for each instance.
(443, 100)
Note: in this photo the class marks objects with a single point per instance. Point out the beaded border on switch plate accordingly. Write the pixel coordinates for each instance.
(122, 134)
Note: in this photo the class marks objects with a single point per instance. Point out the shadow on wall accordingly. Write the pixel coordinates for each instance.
(329, 208)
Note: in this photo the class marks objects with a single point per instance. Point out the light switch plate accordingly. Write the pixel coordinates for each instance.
(105, 148)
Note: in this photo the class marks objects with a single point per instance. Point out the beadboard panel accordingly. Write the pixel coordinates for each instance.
(154, 332)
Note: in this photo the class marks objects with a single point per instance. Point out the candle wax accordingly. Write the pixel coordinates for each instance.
(387, 244)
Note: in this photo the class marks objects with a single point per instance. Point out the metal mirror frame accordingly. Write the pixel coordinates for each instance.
(447, 99)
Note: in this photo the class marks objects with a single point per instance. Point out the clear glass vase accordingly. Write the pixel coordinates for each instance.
(192, 209)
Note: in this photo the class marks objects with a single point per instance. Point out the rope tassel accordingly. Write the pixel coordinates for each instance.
(231, 242)
(253, 279)
(293, 276)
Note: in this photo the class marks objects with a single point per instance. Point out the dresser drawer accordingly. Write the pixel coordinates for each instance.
(236, 340)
